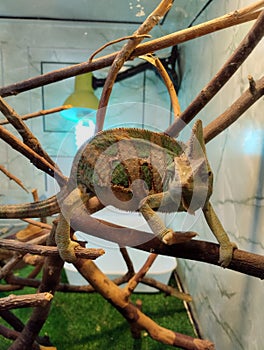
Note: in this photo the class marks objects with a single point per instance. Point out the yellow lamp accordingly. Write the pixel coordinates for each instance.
(84, 103)
(82, 100)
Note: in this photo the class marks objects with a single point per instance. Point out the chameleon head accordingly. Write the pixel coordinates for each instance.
(193, 181)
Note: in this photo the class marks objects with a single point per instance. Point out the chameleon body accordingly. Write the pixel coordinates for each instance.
(135, 170)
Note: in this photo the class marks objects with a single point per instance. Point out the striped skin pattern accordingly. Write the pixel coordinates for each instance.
(135, 170)
(111, 164)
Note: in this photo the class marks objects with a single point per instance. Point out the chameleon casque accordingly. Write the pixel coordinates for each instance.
(134, 170)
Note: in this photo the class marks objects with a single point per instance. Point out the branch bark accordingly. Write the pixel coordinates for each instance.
(228, 20)
(39, 113)
(34, 157)
(243, 262)
(132, 314)
(124, 55)
(12, 177)
(50, 279)
(26, 300)
(88, 253)
(29, 139)
(222, 76)
(227, 118)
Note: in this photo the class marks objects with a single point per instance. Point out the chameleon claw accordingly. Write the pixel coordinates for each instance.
(226, 254)
(68, 253)
(170, 237)
(167, 236)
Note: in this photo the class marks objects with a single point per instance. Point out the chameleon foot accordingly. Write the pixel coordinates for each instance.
(170, 237)
(226, 254)
(67, 253)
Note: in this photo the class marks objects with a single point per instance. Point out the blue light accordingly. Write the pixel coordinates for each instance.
(253, 141)
(75, 114)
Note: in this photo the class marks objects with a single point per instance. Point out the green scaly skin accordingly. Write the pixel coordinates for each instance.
(135, 170)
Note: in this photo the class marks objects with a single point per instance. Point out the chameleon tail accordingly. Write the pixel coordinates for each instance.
(43, 208)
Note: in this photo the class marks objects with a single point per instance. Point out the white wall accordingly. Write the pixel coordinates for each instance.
(29, 48)
(228, 305)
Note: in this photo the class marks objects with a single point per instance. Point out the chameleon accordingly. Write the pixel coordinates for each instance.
(134, 170)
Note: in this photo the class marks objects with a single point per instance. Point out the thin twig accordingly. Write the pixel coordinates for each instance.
(8, 267)
(37, 223)
(155, 61)
(134, 281)
(143, 36)
(128, 261)
(124, 55)
(12, 177)
(39, 113)
(168, 290)
(166, 41)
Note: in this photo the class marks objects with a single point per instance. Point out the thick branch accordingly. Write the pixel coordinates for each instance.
(27, 300)
(244, 262)
(222, 76)
(29, 139)
(88, 253)
(227, 118)
(35, 158)
(184, 35)
(132, 314)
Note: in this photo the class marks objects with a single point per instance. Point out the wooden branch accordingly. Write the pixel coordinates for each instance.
(13, 334)
(11, 319)
(12, 177)
(88, 253)
(27, 300)
(234, 18)
(39, 113)
(222, 76)
(228, 20)
(168, 290)
(243, 262)
(29, 139)
(124, 55)
(134, 281)
(16, 282)
(128, 261)
(37, 223)
(34, 157)
(18, 326)
(134, 327)
(227, 118)
(34, 260)
(155, 61)
(50, 279)
(132, 314)
(8, 333)
(112, 42)
(8, 267)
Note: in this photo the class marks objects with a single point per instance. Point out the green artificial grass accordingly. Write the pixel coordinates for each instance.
(88, 322)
